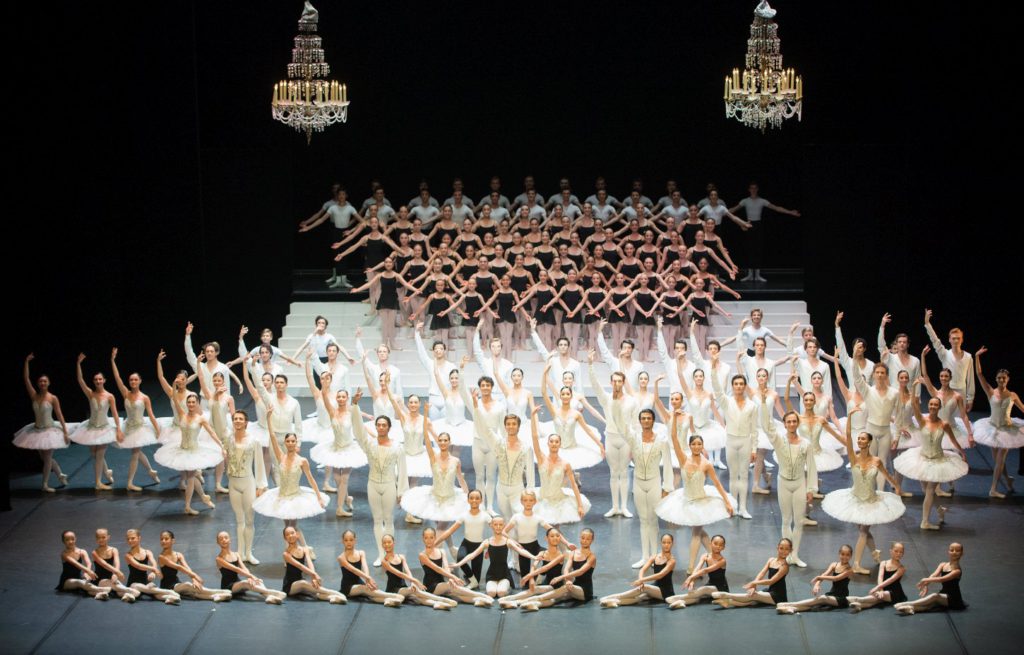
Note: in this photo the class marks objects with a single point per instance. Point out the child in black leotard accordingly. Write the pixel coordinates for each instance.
(387, 284)
(402, 582)
(355, 575)
(498, 576)
(838, 573)
(142, 570)
(948, 574)
(576, 581)
(547, 565)
(657, 585)
(889, 588)
(438, 578)
(108, 568)
(772, 575)
(298, 564)
(711, 564)
(236, 577)
(436, 305)
(76, 572)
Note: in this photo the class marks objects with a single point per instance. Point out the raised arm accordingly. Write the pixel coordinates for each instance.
(81, 379)
(117, 375)
(985, 386)
(925, 379)
(535, 435)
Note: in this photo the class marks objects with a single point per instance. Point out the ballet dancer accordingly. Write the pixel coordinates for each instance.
(518, 399)
(772, 576)
(656, 585)
(620, 411)
(498, 578)
(143, 571)
(440, 501)
(526, 524)
(42, 435)
(138, 432)
(863, 504)
(341, 454)
(813, 362)
(798, 479)
(651, 484)
(266, 337)
(438, 578)
(576, 583)
(192, 454)
(880, 403)
(811, 424)
(247, 480)
(557, 504)
(453, 421)
(402, 582)
(387, 284)
(298, 563)
(76, 572)
(317, 340)
(473, 520)
(492, 363)
(999, 431)
(740, 415)
(386, 478)
(898, 358)
(488, 414)
(415, 430)
(711, 564)
(677, 365)
(383, 352)
(948, 574)
(236, 577)
(854, 362)
(928, 463)
(623, 362)
(437, 357)
(221, 408)
(107, 562)
(545, 567)
(954, 408)
(707, 422)
(260, 428)
(567, 422)
(561, 359)
(955, 358)
(289, 501)
(172, 563)
(284, 415)
(889, 589)
(212, 363)
(838, 573)
(98, 432)
(762, 466)
(356, 580)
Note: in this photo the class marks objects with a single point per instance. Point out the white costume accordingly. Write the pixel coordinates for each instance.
(632, 371)
(246, 474)
(43, 434)
(620, 415)
(386, 479)
(99, 429)
(740, 440)
(648, 482)
(427, 360)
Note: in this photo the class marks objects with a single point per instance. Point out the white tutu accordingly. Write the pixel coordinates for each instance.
(461, 434)
(713, 435)
(259, 433)
(142, 436)
(418, 466)
(420, 501)
(1011, 436)
(86, 436)
(299, 506)
(32, 438)
(563, 511)
(960, 431)
(947, 468)
(913, 442)
(171, 433)
(351, 456)
(843, 505)
(313, 432)
(762, 437)
(583, 456)
(676, 508)
(203, 456)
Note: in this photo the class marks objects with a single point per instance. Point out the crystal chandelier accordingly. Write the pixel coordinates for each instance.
(307, 100)
(765, 94)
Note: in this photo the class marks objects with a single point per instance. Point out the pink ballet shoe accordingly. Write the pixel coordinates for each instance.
(102, 487)
(153, 474)
(133, 487)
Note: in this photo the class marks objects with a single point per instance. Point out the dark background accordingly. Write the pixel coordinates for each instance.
(160, 191)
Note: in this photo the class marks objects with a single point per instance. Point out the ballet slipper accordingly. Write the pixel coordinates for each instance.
(103, 595)
(860, 570)
(338, 600)
(102, 487)
(63, 479)
(222, 489)
(330, 488)
(483, 602)
(153, 474)
(48, 489)
(677, 605)
(341, 513)
(925, 525)
(943, 494)
(996, 494)
(905, 610)
(133, 487)
(110, 476)
(942, 514)
(612, 512)
(625, 513)
(876, 555)
(855, 607)
(610, 603)
(128, 598)
(809, 521)
(442, 606)
(529, 607)
(392, 602)
(409, 518)
(207, 501)
(759, 490)
(191, 512)
(273, 600)
(349, 503)
(251, 559)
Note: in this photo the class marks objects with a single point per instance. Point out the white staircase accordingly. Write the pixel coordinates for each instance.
(344, 317)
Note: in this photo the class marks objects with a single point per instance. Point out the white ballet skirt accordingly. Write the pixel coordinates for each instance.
(576, 448)
(43, 434)
(341, 451)
(454, 422)
(99, 430)
(710, 430)
(138, 431)
(825, 460)
(417, 463)
(763, 441)
(694, 503)
(288, 501)
(1000, 430)
(904, 421)
(555, 504)
(950, 413)
(192, 454)
(929, 463)
(447, 503)
(318, 429)
(863, 504)
(170, 430)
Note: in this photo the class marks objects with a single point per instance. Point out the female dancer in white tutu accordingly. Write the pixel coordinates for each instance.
(76, 572)
(798, 479)
(298, 563)
(341, 453)
(999, 431)
(764, 444)
(576, 583)
(489, 414)
(356, 580)
(656, 585)
(711, 564)
(192, 454)
(107, 561)
(567, 422)
(652, 479)
(143, 571)
(904, 430)
(440, 501)
(172, 563)
(838, 573)
(42, 435)
(98, 432)
(518, 399)
(438, 578)
(402, 582)
(740, 415)
(454, 420)
(954, 405)
(170, 431)
(247, 480)
(685, 424)
(498, 577)
(772, 576)
(880, 403)
(700, 403)
(138, 432)
(556, 505)
(289, 501)
(695, 504)
(236, 577)
(222, 407)
(317, 429)
(415, 429)
(378, 388)
(386, 479)
(929, 463)
(863, 504)
(546, 566)
(889, 589)
(948, 574)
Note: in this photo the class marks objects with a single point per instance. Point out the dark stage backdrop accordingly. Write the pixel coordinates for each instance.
(162, 191)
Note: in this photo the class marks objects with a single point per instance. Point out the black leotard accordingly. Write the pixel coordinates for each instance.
(498, 568)
(375, 251)
(102, 572)
(388, 293)
(572, 298)
(137, 575)
(646, 302)
(840, 590)
(669, 305)
(689, 232)
(613, 317)
(717, 579)
(169, 577)
(777, 590)
(544, 316)
(594, 297)
(951, 588)
(503, 306)
(533, 269)
(663, 583)
(485, 286)
(532, 547)
(228, 577)
(439, 235)
(349, 579)
(415, 270)
(584, 581)
(546, 257)
(500, 269)
(434, 306)
(704, 305)
(471, 304)
(895, 590)
(520, 283)
(69, 571)
(292, 574)
(395, 582)
(432, 578)
(631, 270)
(483, 230)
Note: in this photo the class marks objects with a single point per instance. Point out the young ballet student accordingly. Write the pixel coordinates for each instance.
(42, 435)
(356, 581)
(172, 563)
(711, 564)
(656, 585)
(402, 582)
(838, 573)
(297, 565)
(889, 588)
(107, 561)
(498, 577)
(76, 572)
(576, 583)
(342, 453)
(143, 571)
(772, 576)
(948, 574)
(438, 578)
(236, 577)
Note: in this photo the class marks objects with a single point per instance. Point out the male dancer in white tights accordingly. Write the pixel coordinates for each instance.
(620, 413)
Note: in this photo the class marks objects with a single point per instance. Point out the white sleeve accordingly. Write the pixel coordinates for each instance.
(478, 354)
(541, 348)
(666, 361)
(297, 419)
(260, 469)
(606, 355)
(421, 350)
(360, 351)
(666, 467)
(602, 395)
(190, 355)
(242, 352)
(396, 379)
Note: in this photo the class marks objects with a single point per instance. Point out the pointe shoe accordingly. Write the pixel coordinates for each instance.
(102, 487)
(610, 604)
(860, 570)
(943, 494)
(905, 610)
(818, 495)
(763, 492)
(442, 606)
(172, 600)
(876, 555)
(222, 489)
(221, 598)
(529, 607)
(925, 525)
(906, 494)
(808, 521)
(483, 602)
(191, 512)
(677, 605)
(273, 600)
(331, 489)
(796, 561)
(103, 595)
(720, 465)
(995, 494)
(48, 489)
(376, 562)
(251, 559)
(342, 513)
(338, 600)
(785, 609)
(392, 602)
(942, 514)
(63, 479)
(612, 512)
(128, 598)
(724, 603)
(637, 564)
(133, 487)
(744, 514)
(207, 501)
(625, 513)
(110, 476)
(349, 504)
(855, 607)
(409, 518)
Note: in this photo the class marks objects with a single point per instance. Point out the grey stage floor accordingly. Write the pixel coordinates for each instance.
(34, 618)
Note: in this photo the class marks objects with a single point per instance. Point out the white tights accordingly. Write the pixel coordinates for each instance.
(881, 447)
(737, 455)
(498, 589)
(382, 497)
(374, 595)
(306, 588)
(557, 595)
(617, 454)
(865, 538)
(242, 494)
(133, 464)
(247, 585)
(695, 596)
(485, 470)
(792, 495)
(420, 597)
(508, 499)
(159, 593)
(646, 496)
(459, 592)
(189, 590)
(635, 595)
(49, 465)
(745, 600)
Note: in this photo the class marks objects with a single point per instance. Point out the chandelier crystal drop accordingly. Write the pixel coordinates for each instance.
(764, 94)
(308, 100)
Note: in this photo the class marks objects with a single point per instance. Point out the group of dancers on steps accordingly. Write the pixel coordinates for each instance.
(406, 442)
